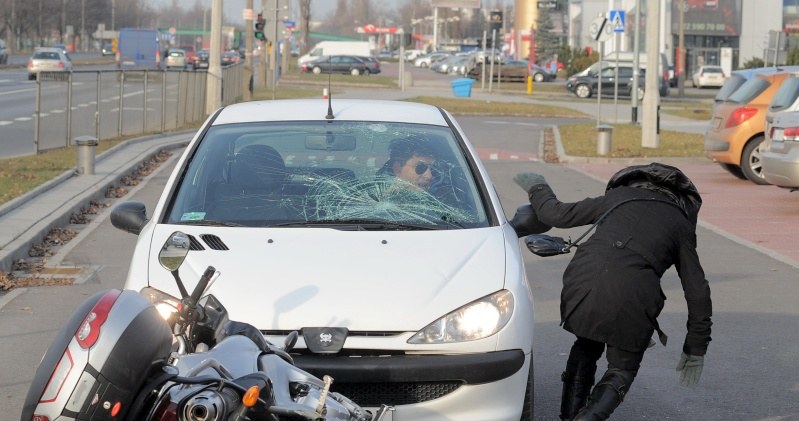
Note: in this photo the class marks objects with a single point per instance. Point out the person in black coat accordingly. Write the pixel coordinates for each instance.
(611, 295)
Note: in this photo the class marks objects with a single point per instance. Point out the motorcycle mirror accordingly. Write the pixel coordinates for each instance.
(174, 251)
(291, 340)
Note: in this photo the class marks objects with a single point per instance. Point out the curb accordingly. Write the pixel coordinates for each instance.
(18, 248)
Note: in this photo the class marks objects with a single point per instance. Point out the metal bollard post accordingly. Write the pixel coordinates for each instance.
(603, 139)
(86, 152)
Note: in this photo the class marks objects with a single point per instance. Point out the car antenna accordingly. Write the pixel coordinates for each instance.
(329, 115)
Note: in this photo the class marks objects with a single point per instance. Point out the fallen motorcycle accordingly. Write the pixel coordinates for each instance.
(147, 356)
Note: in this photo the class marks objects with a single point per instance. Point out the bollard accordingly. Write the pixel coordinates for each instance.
(603, 139)
(86, 150)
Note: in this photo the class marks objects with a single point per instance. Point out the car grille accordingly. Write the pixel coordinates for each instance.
(376, 394)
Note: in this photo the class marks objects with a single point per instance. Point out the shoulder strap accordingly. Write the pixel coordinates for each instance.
(604, 215)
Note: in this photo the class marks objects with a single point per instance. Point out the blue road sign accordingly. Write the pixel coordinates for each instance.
(616, 19)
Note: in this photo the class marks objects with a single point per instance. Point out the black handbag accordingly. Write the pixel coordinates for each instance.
(546, 245)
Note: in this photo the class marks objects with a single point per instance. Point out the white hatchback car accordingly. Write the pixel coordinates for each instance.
(408, 294)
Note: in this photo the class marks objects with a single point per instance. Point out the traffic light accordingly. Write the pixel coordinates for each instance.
(259, 27)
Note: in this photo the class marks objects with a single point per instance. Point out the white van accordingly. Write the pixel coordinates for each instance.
(336, 48)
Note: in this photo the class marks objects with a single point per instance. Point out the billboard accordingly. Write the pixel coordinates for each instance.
(708, 17)
(790, 15)
(469, 4)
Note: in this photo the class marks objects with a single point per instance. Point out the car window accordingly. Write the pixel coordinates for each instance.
(625, 72)
(712, 69)
(268, 174)
(786, 95)
(47, 55)
(749, 90)
(730, 86)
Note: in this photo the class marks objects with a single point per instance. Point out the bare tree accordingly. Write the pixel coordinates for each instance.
(305, 27)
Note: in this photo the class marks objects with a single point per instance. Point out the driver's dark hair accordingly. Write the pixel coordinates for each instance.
(403, 148)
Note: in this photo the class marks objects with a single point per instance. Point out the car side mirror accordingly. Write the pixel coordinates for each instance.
(526, 222)
(129, 216)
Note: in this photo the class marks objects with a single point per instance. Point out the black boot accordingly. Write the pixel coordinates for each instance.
(607, 395)
(575, 393)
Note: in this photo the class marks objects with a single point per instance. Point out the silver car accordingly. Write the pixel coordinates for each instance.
(176, 58)
(48, 60)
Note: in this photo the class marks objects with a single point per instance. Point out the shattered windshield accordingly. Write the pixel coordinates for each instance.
(343, 174)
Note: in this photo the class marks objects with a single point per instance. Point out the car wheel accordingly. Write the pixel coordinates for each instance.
(751, 162)
(423, 64)
(538, 77)
(528, 410)
(366, 72)
(355, 72)
(317, 70)
(641, 93)
(31, 76)
(583, 91)
(734, 170)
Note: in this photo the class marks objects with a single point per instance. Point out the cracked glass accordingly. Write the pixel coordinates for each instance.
(341, 174)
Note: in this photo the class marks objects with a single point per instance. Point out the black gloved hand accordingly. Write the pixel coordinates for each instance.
(526, 180)
(689, 369)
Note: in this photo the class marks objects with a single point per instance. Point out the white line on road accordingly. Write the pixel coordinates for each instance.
(23, 119)
(6, 123)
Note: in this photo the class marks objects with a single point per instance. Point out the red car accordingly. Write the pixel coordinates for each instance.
(191, 56)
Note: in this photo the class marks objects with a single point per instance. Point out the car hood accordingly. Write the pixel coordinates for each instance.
(289, 278)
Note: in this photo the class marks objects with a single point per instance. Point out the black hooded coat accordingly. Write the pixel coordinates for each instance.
(611, 288)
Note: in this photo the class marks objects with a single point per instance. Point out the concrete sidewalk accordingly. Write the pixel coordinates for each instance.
(27, 219)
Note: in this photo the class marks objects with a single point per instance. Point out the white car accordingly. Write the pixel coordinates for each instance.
(406, 296)
(708, 76)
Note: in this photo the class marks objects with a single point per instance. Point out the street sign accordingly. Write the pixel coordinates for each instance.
(248, 14)
(617, 20)
(600, 29)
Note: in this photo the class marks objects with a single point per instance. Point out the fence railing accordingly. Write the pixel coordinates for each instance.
(109, 104)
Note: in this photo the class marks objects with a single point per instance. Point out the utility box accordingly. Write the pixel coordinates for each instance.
(87, 146)
(604, 140)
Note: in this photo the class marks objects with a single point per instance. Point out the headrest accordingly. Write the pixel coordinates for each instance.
(258, 166)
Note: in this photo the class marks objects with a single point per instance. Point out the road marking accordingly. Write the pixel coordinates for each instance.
(6, 123)
(517, 123)
(23, 119)
(44, 115)
(493, 156)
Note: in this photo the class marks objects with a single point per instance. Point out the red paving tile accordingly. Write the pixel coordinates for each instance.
(765, 217)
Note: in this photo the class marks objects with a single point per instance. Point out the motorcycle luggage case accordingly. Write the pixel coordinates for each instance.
(99, 360)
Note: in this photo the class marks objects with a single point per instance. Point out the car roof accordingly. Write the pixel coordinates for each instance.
(343, 110)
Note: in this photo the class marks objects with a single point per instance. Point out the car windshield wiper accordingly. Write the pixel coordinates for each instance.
(365, 224)
(210, 223)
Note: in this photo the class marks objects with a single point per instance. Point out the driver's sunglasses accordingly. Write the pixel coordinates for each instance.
(421, 167)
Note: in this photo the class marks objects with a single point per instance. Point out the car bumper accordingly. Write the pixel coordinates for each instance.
(725, 145)
(782, 168)
(425, 387)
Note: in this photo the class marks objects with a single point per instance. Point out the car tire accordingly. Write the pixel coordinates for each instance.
(538, 77)
(528, 410)
(355, 72)
(316, 70)
(423, 65)
(582, 91)
(366, 72)
(641, 93)
(734, 170)
(751, 163)
(31, 76)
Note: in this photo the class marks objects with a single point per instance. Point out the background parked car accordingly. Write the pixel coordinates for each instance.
(780, 150)
(191, 55)
(484, 56)
(107, 48)
(428, 59)
(202, 59)
(708, 76)
(229, 57)
(512, 71)
(586, 85)
(739, 77)
(335, 64)
(461, 65)
(372, 64)
(48, 59)
(3, 52)
(176, 58)
(737, 127)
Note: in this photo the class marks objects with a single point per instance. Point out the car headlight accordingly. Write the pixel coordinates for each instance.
(476, 320)
(166, 304)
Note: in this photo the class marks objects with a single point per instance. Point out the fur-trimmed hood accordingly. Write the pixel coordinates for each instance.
(665, 179)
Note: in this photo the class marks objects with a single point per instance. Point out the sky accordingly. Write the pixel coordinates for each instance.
(233, 8)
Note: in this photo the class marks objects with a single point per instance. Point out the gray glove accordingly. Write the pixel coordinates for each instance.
(689, 369)
(526, 180)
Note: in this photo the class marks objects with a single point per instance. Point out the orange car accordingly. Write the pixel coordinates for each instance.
(737, 127)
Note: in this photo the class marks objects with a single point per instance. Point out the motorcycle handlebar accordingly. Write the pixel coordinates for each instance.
(201, 285)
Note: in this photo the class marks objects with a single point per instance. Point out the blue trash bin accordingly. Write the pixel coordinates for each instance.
(462, 87)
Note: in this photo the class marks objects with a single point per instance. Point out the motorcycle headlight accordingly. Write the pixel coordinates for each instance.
(166, 304)
(476, 320)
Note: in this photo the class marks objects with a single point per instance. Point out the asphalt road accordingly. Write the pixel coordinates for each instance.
(751, 367)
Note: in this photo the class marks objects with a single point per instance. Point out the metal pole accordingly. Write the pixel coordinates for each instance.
(262, 70)
(213, 84)
(248, 33)
(163, 100)
(144, 105)
(435, 29)
(681, 50)
(483, 66)
(121, 92)
(69, 110)
(273, 56)
(636, 62)
(649, 126)
(36, 128)
(97, 105)
(599, 84)
(616, 80)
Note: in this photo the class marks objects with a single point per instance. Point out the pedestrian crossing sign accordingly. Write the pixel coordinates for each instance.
(617, 20)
